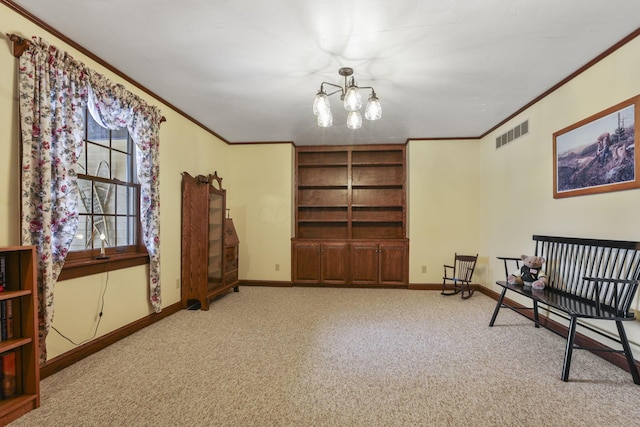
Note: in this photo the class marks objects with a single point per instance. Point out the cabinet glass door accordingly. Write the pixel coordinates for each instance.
(216, 221)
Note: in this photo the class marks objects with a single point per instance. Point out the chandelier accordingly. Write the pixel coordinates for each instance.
(350, 95)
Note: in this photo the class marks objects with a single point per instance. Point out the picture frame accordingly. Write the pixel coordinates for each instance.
(598, 154)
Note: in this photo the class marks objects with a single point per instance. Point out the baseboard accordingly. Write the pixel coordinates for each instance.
(57, 364)
(433, 286)
(316, 285)
(603, 350)
(271, 283)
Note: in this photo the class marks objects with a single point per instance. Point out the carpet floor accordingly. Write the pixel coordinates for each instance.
(338, 357)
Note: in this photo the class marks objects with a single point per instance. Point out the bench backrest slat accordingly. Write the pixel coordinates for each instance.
(569, 260)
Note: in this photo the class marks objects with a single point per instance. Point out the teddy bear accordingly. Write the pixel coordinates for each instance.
(531, 273)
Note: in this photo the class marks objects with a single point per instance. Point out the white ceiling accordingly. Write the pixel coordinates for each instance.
(248, 70)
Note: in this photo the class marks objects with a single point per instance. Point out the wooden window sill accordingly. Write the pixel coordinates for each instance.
(87, 266)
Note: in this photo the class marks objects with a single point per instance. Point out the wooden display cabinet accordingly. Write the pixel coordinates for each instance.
(354, 195)
(204, 253)
(19, 326)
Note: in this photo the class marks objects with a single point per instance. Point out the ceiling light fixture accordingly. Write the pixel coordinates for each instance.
(350, 95)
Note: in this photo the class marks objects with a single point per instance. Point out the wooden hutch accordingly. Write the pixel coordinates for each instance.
(209, 241)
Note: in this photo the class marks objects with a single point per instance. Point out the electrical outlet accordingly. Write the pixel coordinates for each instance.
(177, 283)
(424, 268)
(277, 267)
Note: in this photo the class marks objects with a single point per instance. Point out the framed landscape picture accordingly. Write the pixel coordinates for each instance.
(598, 154)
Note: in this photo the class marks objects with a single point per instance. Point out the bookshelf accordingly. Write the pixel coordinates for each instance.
(349, 198)
(19, 334)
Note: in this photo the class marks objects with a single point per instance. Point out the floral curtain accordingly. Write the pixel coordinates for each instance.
(52, 96)
(53, 92)
(114, 107)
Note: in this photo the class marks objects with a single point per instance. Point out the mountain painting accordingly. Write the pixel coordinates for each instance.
(597, 155)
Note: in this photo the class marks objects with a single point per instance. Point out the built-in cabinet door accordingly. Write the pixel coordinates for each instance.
(315, 263)
(357, 263)
(334, 263)
(306, 262)
(393, 262)
(364, 263)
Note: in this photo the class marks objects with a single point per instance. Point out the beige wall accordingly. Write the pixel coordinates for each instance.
(10, 158)
(260, 197)
(443, 199)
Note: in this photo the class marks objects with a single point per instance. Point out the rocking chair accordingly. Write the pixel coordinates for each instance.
(457, 277)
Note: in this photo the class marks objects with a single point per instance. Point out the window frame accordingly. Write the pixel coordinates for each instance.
(79, 263)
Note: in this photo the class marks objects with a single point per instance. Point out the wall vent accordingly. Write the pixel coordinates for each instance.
(513, 134)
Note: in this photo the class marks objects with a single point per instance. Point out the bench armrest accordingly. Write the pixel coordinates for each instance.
(506, 260)
(602, 281)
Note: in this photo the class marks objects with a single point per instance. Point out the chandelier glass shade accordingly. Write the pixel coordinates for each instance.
(322, 109)
(354, 120)
(374, 109)
(352, 100)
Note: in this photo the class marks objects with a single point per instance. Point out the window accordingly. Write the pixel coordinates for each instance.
(108, 203)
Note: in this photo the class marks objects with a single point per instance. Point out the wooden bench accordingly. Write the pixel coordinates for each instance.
(587, 279)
